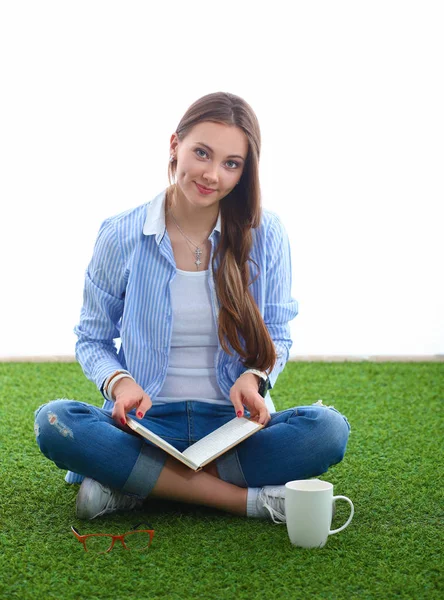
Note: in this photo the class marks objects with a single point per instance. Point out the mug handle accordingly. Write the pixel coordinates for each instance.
(331, 532)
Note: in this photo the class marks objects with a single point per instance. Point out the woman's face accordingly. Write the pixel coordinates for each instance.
(212, 155)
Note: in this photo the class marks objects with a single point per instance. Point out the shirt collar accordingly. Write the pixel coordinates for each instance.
(155, 217)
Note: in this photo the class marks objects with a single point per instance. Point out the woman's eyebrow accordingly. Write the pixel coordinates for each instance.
(229, 156)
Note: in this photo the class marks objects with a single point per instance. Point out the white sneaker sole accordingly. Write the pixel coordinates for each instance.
(83, 500)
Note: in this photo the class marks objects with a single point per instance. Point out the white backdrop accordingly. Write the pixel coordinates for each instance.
(349, 96)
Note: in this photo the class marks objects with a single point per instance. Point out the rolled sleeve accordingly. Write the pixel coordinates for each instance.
(103, 301)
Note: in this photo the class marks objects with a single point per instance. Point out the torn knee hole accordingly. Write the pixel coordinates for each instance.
(61, 427)
(320, 403)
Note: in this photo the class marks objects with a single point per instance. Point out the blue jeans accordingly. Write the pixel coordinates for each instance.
(297, 443)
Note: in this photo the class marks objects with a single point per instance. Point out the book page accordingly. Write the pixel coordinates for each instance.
(222, 439)
(155, 439)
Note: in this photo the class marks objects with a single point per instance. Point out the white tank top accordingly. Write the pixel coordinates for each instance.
(191, 373)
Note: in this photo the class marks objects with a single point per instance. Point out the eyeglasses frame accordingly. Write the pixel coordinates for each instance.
(82, 538)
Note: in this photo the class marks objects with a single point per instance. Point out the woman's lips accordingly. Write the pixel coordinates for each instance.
(203, 190)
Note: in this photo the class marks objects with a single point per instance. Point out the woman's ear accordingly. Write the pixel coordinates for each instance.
(174, 140)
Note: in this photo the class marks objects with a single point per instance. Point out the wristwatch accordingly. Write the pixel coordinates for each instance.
(264, 382)
(264, 386)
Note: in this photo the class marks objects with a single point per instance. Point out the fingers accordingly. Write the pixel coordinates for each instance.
(263, 413)
(258, 409)
(254, 403)
(144, 405)
(118, 413)
(127, 401)
(236, 400)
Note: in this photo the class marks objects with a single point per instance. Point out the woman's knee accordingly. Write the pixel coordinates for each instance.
(326, 432)
(53, 417)
(334, 431)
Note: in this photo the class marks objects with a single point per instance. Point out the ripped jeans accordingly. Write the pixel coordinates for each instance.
(297, 443)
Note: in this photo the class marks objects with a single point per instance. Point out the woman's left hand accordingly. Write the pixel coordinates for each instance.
(245, 393)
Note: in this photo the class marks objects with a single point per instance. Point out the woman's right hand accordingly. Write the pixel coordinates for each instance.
(128, 395)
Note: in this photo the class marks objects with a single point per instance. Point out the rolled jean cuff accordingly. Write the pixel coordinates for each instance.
(145, 472)
(230, 470)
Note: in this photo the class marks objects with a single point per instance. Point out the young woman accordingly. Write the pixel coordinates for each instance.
(197, 286)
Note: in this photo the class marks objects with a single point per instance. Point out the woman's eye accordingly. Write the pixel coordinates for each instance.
(204, 154)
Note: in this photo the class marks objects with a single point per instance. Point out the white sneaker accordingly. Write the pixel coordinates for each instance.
(273, 499)
(94, 500)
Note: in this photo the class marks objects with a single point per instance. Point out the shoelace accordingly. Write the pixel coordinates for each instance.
(117, 500)
(272, 500)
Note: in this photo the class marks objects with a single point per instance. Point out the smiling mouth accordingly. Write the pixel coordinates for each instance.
(205, 189)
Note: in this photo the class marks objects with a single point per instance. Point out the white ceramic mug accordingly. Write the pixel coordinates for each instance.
(308, 512)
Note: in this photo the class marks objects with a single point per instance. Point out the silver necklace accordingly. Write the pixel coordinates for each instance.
(198, 251)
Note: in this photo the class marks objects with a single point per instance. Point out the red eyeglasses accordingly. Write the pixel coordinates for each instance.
(136, 539)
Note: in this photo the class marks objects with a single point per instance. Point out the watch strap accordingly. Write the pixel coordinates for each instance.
(264, 386)
(264, 383)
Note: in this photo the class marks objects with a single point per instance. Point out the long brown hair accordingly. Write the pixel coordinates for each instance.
(240, 322)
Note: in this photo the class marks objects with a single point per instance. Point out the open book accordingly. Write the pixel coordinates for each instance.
(208, 448)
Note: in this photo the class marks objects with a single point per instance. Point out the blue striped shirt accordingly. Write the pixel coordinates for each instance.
(127, 296)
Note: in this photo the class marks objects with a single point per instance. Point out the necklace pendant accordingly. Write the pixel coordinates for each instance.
(198, 253)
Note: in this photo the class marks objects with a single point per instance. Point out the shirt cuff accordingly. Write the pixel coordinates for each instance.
(104, 370)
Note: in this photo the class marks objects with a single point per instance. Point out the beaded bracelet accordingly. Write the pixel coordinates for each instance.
(109, 391)
(260, 374)
(109, 379)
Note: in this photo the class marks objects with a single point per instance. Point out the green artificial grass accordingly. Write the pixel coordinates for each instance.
(392, 471)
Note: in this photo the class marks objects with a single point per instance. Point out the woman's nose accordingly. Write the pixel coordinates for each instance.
(211, 175)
